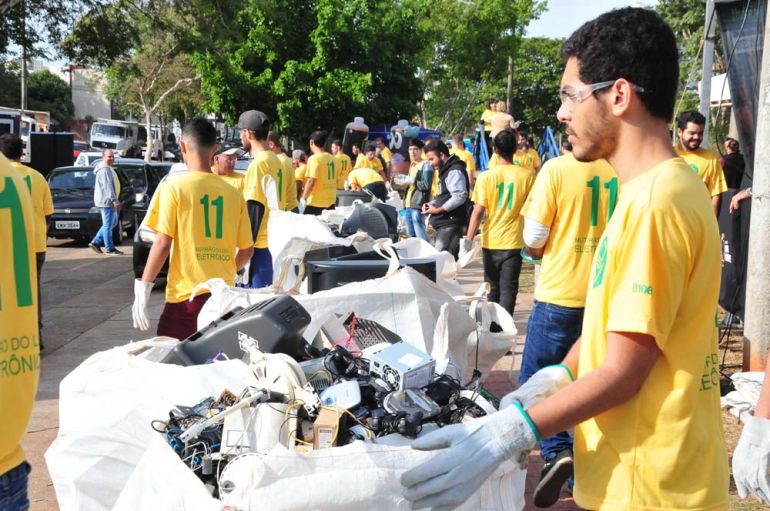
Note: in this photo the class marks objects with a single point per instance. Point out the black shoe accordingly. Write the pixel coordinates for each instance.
(114, 251)
(555, 473)
(95, 248)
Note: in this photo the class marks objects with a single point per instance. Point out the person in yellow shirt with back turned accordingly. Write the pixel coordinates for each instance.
(645, 404)
(344, 164)
(704, 162)
(20, 356)
(458, 148)
(202, 222)
(320, 191)
(564, 217)
(500, 193)
(287, 184)
(368, 180)
(13, 148)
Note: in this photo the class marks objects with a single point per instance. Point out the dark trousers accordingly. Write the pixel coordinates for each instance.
(378, 189)
(13, 488)
(501, 270)
(180, 320)
(315, 210)
(448, 238)
(551, 332)
(39, 260)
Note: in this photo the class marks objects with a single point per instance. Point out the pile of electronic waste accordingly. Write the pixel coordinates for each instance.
(368, 385)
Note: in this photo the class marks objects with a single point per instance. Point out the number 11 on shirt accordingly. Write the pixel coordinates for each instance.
(219, 204)
(330, 170)
(9, 199)
(612, 186)
(500, 195)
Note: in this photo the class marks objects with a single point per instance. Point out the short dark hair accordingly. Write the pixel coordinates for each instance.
(690, 116)
(379, 139)
(318, 138)
(505, 143)
(199, 132)
(11, 146)
(459, 139)
(370, 147)
(437, 146)
(337, 142)
(357, 146)
(732, 144)
(274, 137)
(631, 43)
(416, 142)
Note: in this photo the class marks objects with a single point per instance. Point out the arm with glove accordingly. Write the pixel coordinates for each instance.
(539, 408)
(143, 287)
(751, 459)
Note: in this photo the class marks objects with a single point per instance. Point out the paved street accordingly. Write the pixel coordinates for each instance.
(87, 308)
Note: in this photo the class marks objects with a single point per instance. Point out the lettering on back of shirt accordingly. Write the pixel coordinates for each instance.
(710, 378)
(642, 289)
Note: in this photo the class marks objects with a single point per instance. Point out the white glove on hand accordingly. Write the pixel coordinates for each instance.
(301, 206)
(466, 246)
(403, 180)
(543, 384)
(142, 292)
(474, 451)
(751, 459)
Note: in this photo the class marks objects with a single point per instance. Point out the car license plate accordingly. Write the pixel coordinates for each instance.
(71, 224)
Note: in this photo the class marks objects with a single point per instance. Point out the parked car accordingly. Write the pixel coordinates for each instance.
(87, 158)
(79, 146)
(144, 237)
(74, 213)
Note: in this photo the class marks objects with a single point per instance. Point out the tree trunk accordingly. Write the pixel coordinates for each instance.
(148, 127)
(509, 89)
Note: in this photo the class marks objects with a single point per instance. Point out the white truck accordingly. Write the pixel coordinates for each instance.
(22, 123)
(120, 136)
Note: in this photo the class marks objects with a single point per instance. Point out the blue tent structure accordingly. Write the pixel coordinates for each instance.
(548, 147)
(480, 151)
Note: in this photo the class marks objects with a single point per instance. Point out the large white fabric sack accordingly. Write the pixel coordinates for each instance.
(105, 408)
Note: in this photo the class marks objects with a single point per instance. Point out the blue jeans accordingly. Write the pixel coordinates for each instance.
(109, 221)
(260, 269)
(415, 224)
(13, 489)
(551, 332)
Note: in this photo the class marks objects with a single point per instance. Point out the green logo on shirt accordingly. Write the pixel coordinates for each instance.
(643, 289)
(695, 168)
(600, 263)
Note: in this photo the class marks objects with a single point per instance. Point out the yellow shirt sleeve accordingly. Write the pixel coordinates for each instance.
(386, 154)
(162, 217)
(715, 178)
(479, 194)
(535, 158)
(541, 204)
(245, 239)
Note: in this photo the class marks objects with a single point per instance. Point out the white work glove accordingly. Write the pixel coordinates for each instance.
(751, 459)
(543, 384)
(403, 180)
(301, 206)
(142, 292)
(466, 246)
(474, 451)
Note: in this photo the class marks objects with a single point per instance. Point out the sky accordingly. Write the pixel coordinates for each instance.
(565, 16)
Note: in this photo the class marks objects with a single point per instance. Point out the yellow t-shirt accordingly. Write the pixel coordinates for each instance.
(575, 200)
(41, 201)
(706, 164)
(527, 159)
(287, 184)
(374, 163)
(386, 154)
(364, 176)
(300, 173)
(414, 167)
(657, 272)
(323, 168)
(234, 179)
(19, 351)
(493, 161)
(344, 166)
(486, 116)
(467, 157)
(502, 192)
(264, 163)
(207, 220)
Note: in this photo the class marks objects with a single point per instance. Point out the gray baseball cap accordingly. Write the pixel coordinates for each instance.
(253, 120)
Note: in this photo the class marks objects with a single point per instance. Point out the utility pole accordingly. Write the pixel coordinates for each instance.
(23, 56)
(509, 90)
(708, 65)
(756, 340)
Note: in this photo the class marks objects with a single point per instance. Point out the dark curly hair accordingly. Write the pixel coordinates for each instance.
(690, 116)
(631, 43)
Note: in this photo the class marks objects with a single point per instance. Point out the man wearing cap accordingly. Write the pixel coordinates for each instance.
(320, 191)
(254, 127)
(287, 185)
(224, 167)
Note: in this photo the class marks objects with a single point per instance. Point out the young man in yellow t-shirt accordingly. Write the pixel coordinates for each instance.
(500, 193)
(299, 162)
(344, 164)
(224, 167)
(20, 355)
(383, 150)
(564, 217)
(525, 156)
(458, 149)
(320, 191)
(704, 162)
(13, 148)
(255, 126)
(370, 160)
(366, 179)
(645, 404)
(286, 185)
(202, 222)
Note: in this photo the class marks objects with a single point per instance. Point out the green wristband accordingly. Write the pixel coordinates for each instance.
(569, 371)
(525, 256)
(528, 419)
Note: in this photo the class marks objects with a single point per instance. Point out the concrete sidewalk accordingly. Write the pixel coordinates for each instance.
(108, 306)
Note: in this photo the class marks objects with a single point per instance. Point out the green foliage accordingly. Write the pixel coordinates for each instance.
(50, 93)
(105, 34)
(536, 76)
(10, 92)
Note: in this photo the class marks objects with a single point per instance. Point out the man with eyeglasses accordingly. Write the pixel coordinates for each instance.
(645, 404)
(704, 162)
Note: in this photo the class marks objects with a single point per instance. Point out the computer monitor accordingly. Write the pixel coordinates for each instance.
(323, 275)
